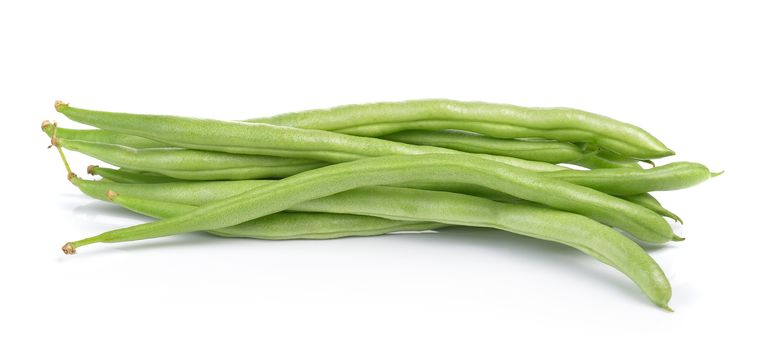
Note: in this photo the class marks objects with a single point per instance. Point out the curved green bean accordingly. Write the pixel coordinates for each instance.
(196, 165)
(601, 161)
(548, 151)
(194, 193)
(189, 164)
(128, 176)
(592, 238)
(101, 136)
(264, 139)
(197, 193)
(630, 181)
(285, 225)
(648, 201)
(495, 120)
(640, 222)
(537, 150)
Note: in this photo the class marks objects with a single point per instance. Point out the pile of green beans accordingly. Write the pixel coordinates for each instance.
(555, 174)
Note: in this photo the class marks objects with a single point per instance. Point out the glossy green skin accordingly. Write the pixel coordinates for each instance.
(648, 201)
(285, 225)
(554, 152)
(537, 150)
(189, 164)
(495, 120)
(198, 193)
(592, 238)
(127, 176)
(102, 136)
(630, 181)
(446, 168)
(264, 139)
(548, 151)
(601, 161)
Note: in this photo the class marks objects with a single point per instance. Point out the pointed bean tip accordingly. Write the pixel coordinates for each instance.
(69, 249)
(719, 173)
(667, 308)
(677, 238)
(59, 105)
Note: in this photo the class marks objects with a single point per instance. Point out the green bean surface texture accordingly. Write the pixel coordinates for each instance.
(636, 220)
(548, 151)
(127, 176)
(588, 236)
(197, 193)
(630, 181)
(599, 160)
(495, 120)
(648, 201)
(101, 136)
(285, 225)
(188, 164)
(263, 139)
(377, 168)
(538, 150)
(192, 164)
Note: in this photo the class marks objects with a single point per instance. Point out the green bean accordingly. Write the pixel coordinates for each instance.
(630, 181)
(574, 230)
(495, 120)
(535, 150)
(208, 165)
(538, 150)
(600, 161)
(203, 165)
(285, 225)
(640, 222)
(101, 136)
(263, 139)
(194, 193)
(645, 200)
(128, 176)
(191, 164)
(203, 192)
(648, 201)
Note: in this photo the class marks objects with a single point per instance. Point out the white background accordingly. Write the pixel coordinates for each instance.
(686, 71)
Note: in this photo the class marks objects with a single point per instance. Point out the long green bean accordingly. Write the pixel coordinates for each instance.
(127, 176)
(538, 150)
(495, 120)
(191, 164)
(584, 234)
(264, 139)
(208, 165)
(636, 220)
(285, 225)
(101, 136)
